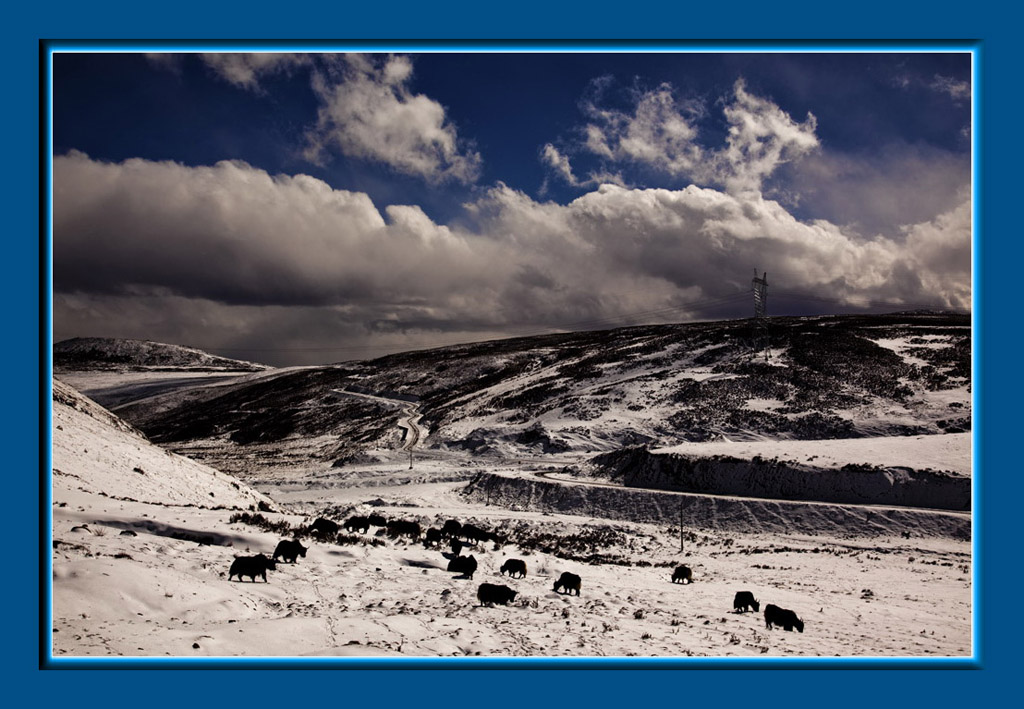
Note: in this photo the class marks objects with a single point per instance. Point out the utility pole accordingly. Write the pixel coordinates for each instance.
(760, 288)
(681, 527)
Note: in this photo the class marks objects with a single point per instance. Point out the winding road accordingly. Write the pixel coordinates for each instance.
(411, 426)
(411, 415)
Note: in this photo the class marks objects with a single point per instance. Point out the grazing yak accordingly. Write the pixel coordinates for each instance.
(289, 550)
(452, 528)
(468, 533)
(323, 527)
(516, 568)
(433, 537)
(357, 523)
(465, 565)
(682, 574)
(376, 520)
(251, 566)
(744, 601)
(569, 582)
(489, 594)
(773, 615)
(472, 534)
(399, 528)
(456, 546)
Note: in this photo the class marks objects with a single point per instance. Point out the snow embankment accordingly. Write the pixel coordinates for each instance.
(713, 512)
(860, 483)
(96, 452)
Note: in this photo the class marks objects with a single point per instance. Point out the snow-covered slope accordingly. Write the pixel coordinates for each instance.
(106, 353)
(141, 553)
(825, 378)
(97, 453)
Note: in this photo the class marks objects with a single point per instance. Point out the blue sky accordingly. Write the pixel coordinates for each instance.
(303, 208)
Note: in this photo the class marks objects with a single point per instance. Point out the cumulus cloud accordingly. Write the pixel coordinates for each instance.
(939, 251)
(229, 254)
(369, 112)
(661, 132)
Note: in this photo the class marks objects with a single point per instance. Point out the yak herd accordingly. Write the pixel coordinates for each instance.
(457, 536)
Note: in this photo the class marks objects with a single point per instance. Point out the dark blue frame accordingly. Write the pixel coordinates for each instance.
(990, 36)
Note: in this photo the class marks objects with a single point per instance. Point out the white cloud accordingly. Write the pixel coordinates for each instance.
(761, 137)
(233, 251)
(661, 132)
(954, 88)
(940, 252)
(554, 159)
(957, 90)
(370, 113)
(245, 70)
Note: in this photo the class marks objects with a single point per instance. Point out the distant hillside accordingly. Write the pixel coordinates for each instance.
(95, 452)
(108, 353)
(590, 392)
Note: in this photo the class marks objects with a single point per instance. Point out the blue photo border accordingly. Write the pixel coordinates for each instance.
(989, 36)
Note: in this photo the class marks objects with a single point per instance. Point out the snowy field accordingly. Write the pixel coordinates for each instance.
(165, 591)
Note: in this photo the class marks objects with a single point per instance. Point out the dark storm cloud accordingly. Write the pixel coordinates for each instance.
(234, 251)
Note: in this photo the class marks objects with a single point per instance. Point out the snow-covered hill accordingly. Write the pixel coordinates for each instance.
(824, 378)
(141, 553)
(83, 353)
(96, 453)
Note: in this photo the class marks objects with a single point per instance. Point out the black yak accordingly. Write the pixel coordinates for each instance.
(682, 574)
(744, 601)
(357, 523)
(376, 520)
(456, 546)
(489, 594)
(773, 615)
(289, 550)
(251, 566)
(466, 565)
(516, 568)
(399, 528)
(433, 537)
(323, 527)
(569, 582)
(473, 534)
(451, 528)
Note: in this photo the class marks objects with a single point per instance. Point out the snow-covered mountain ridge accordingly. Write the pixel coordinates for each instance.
(81, 353)
(823, 378)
